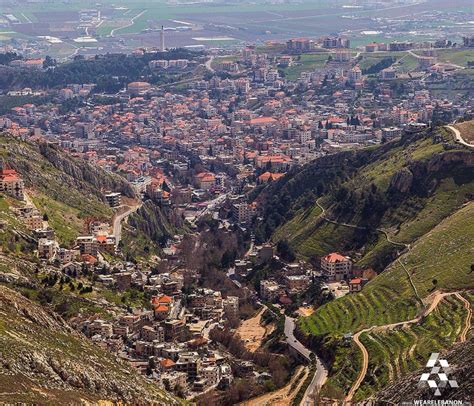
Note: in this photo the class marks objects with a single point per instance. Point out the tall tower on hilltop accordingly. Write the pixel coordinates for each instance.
(162, 39)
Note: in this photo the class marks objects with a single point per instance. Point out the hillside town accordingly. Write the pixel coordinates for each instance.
(198, 152)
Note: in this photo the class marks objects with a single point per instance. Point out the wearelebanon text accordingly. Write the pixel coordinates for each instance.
(436, 402)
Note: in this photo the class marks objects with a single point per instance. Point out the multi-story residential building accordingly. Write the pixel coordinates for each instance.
(269, 290)
(468, 41)
(64, 255)
(114, 199)
(205, 180)
(300, 45)
(11, 183)
(34, 222)
(336, 267)
(91, 245)
(231, 306)
(47, 248)
(149, 333)
(297, 283)
(243, 213)
(190, 363)
(212, 374)
(336, 42)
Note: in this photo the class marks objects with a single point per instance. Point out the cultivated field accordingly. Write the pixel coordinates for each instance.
(246, 21)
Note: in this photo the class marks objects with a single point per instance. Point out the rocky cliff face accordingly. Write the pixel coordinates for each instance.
(402, 180)
(82, 171)
(385, 187)
(53, 364)
(37, 163)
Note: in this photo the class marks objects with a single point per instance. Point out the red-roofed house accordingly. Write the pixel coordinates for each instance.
(167, 364)
(262, 121)
(205, 180)
(269, 177)
(11, 183)
(356, 284)
(161, 311)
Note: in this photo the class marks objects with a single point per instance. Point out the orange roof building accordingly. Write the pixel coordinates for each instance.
(269, 177)
(336, 267)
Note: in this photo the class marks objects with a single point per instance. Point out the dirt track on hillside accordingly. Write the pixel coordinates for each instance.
(467, 327)
(432, 302)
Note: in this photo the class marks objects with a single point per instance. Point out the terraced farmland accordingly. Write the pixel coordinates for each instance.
(394, 353)
(390, 297)
(377, 306)
(346, 366)
(440, 260)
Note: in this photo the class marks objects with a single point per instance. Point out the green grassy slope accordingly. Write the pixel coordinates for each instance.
(420, 193)
(460, 358)
(395, 353)
(405, 188)
(439, 260)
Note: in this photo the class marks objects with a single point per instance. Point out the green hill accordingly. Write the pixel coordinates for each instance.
(460, 358)
(415, 192)
(440, 260)
(404, 187)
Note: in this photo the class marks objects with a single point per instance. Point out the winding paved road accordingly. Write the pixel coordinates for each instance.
(117, 226)
(319, 379)
(457, 136)
(321, 373)
(132, 21)
(292, 341)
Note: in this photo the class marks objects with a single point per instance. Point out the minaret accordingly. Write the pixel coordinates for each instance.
(162, 39)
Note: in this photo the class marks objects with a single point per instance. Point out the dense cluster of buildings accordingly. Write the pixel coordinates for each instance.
(197, 153)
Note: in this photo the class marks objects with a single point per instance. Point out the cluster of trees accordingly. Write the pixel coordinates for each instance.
(53, 279)
(285, 251)
(110, 72)
(7, 57)
(300, 188)
(379, 66)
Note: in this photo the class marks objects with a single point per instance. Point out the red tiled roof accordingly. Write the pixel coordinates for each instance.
(334, 257)
(167, 363)
(161, 308)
